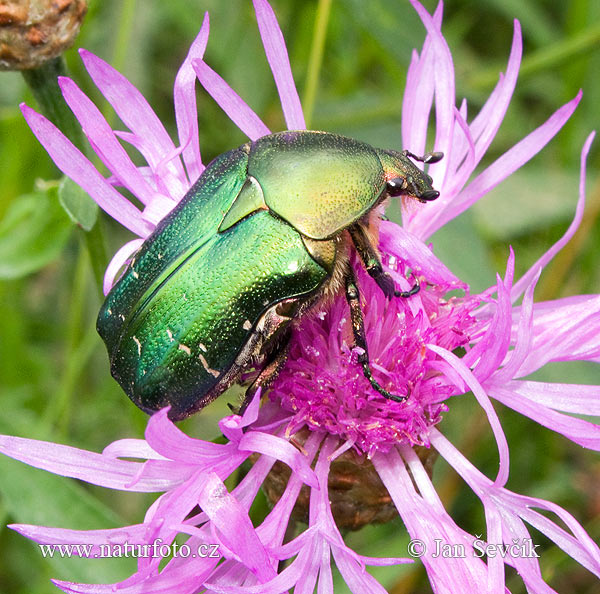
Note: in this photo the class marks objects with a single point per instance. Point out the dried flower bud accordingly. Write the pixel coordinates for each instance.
(34, 31)
(356, 493)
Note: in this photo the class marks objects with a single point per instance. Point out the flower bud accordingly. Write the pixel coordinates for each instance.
(34, 31)
(356, 493)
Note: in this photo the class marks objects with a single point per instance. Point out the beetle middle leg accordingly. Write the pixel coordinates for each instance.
(266, 376)
(358, 329)
(370, 258)
(271, 336)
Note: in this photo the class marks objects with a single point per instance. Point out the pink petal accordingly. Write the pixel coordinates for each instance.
(427, 521)
(524, 338)
(578, 545)
(119, 260)
(485, 403)
(230, 102)
(571, 398)
(73, 164)
(569, 333)
(491, 349)
(504, 166)
(541, 263)
(280, 449)
(418, 99)
(131, 448)
(133, 535)
(105, 143)
(91, 467)
(581, 432)
(406, 246)
(134, 111)
(184, 95)
(443, 76)
(279, 62)
(235, 527)
(165, 438)
(488, 120)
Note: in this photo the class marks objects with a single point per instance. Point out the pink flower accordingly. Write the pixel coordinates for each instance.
(321, 409)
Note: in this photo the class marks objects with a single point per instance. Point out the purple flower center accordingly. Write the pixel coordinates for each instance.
(323, 383)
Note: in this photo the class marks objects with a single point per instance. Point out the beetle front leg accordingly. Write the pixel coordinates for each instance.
(370, 258)
(358, 329)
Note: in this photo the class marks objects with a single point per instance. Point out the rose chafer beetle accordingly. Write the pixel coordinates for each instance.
(263, 235)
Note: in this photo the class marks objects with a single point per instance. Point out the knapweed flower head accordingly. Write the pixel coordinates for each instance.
(440, 344)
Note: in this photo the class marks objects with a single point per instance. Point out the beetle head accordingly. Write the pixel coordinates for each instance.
(404, 178)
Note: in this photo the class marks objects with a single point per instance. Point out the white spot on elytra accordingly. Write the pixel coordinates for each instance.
(247, 325)
(121, 317)
(202, 347)
(135, 274)
(170, 334)
(185, 349)
(205, 365)
(139, 345)
(109, 310)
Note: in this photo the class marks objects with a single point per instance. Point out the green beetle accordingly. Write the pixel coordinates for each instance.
(262, 236)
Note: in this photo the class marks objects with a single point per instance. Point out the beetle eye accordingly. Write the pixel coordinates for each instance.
(396, 186)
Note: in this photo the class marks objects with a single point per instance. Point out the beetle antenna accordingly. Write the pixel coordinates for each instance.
(428, 158)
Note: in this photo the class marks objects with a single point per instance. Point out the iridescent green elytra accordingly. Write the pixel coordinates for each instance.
(262, 235)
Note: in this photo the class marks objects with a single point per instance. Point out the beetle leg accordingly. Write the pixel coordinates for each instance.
(266, 376)
(372, 263)
(358, 329)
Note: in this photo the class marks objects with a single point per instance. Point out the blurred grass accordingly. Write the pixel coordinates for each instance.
(55, 382)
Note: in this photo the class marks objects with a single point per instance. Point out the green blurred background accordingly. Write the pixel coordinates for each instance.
(54, 378)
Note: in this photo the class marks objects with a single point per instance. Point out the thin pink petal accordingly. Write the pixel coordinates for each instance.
(427, 522)
(104, 141)
(134, 111)
(120, 259)
(230, 102)
(541, 263)
(582, 432)
(485, 403)
(279, 62)
(524, 338)
(578, 544)
(235, 527)
(166, 438)
(504, 166)
(186, 115)
(443, 76)
(73, 164)
(93, 468)
(136, 534)
(488, 120)
(402, 243)
(418, 99)
(280, 449)
(571, 398)
(131, 448)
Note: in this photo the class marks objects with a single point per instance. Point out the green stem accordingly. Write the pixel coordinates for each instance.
(545, 59)
(57, 408)
(43, 82)
(94, 240)
(316, 59)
